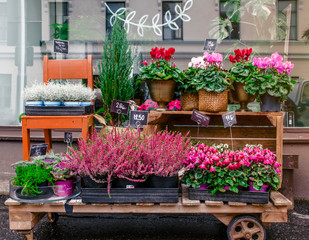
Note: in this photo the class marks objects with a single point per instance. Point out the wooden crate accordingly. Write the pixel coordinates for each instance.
(264, 128)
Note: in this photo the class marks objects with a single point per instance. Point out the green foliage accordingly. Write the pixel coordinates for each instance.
(276, 85)
(196, 177)
(242, 72)
(115, 70)
(185, 84)
(29, 175)
(262, 175)
(160, 70)
(61, 31)
(211, 79)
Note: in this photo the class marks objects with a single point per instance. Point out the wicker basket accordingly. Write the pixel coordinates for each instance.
(212, 101)
(189, 101)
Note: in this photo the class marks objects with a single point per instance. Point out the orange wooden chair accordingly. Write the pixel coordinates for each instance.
(70, 69)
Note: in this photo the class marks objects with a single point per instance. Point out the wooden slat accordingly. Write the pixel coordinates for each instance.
(274, 217)
(168, 204)
(185, 198)
(279, 200)
(144, 204)
(214, 203)
(58, 203)
(11, 202)
(122, 204)
(26, 224)
(237, 204)
(77, 202)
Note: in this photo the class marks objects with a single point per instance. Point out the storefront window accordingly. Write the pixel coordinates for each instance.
(168, 33)
(28, 27)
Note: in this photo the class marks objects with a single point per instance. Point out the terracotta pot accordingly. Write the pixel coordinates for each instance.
(239, 95)
(189, 101)
(161, 91)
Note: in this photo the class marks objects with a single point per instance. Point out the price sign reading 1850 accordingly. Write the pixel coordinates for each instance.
(138, 118)
(120, 107)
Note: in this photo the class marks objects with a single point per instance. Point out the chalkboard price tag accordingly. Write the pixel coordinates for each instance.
(229, 119)
(210, 45)
(61, 46)
(68, 137)
(120, 107)
(38, 150)
(138, 118)
(200, 118)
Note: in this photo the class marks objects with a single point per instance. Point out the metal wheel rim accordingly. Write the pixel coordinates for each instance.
(247, 228)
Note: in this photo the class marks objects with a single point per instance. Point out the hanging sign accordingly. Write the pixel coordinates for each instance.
(229, 119)
(61, 46)
(120, 107)
(38, 150)
(200, 118)
(138, 118)
(210, 45)
(68, 137)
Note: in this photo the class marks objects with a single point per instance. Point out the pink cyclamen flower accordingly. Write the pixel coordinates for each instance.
(145, 63)
(212, 169)
(278, 170)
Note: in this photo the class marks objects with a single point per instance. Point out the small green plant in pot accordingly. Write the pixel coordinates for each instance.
(30, 176)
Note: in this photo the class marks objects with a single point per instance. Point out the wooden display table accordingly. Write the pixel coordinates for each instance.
(24, 216)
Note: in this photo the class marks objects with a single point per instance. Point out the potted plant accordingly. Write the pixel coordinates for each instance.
(272, 83)
(174, 105)
(161, 76)
(264, 170)
(166, 151)
(240, 72)
(212, 84)
(148, 105)
(33, 95)
(63, 178)
(32, 179)
(189, 93)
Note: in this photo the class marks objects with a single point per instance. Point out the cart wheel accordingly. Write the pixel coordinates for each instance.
(246, 227)
(52, 217)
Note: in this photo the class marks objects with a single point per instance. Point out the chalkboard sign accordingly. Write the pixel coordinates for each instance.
(200, 118)
(120, 107)
(138, 118)
(38, 150)
(61, 46)
(229, 119)
(210, 45)
(68, 137)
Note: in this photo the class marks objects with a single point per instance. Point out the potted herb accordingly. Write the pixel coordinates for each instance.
(212, 84)
(166, 151)
(189, 93)
(33, 95)
(161, 76)
(272, 83)
(32, 178)
(240, 73)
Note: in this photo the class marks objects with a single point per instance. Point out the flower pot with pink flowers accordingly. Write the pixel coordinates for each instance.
(229, 173)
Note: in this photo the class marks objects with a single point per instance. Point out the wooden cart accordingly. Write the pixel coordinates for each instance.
(244, 221)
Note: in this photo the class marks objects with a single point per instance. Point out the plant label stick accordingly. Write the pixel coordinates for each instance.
(210, 45)
(120, 107)
(229, 119)
(200, 118)
(38, 150)
(138, 118)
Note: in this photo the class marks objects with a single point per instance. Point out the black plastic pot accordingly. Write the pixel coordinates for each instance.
(89, 183)
(124, 183)
(163, 182)
(45, 192)
(270, 103)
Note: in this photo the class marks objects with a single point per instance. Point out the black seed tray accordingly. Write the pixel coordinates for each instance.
(58, 111)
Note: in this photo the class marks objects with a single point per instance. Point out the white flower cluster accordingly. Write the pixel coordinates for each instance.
(58, 92)
(221, 147)
(197, 62)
